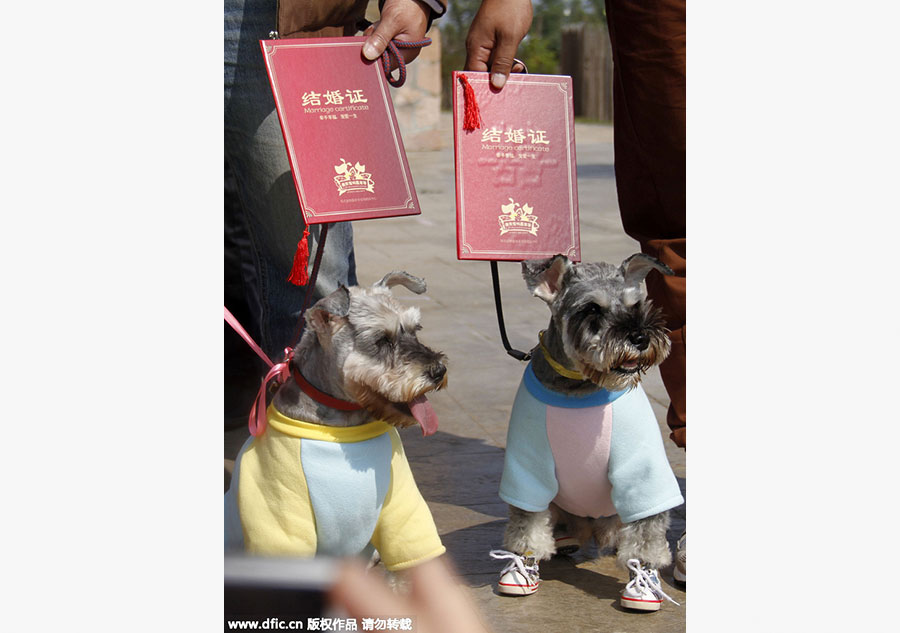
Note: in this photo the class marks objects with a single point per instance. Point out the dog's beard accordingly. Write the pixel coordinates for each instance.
(396, 396)
(607, 357)
(618, 365)
(417, 410)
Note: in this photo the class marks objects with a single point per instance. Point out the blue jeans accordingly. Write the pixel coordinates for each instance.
(269, 209)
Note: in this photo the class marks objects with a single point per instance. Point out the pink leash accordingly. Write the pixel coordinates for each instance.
(277, 371)
(281, 371)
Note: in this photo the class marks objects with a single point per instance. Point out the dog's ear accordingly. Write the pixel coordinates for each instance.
(544, 276)
(402, 278)
(638, 266)
(329, 311)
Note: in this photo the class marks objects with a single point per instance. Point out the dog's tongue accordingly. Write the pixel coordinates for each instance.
(424, 413)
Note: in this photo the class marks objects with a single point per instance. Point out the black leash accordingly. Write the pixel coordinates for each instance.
(518, 355)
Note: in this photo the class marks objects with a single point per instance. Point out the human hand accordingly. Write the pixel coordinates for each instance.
(494, 36)
(404, 20)
(435, 600)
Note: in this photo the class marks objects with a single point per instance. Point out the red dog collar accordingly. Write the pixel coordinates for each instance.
(320, 396)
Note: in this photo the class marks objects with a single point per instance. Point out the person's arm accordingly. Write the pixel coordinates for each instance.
(495, 34)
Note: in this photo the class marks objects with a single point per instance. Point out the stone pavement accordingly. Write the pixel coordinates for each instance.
(458, 469)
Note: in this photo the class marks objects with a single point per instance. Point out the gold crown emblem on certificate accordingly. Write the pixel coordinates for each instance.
(517, 218)
(353, 178)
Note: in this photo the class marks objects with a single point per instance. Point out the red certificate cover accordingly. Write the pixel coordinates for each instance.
(516, 188)
(340, 130)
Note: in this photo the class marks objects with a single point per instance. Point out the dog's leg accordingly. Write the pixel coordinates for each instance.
(606, 531)
(645, 540)
(528, 541)
(530, 533)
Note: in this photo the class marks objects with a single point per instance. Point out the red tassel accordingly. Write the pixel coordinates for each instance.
(472, 113)
(298, 275)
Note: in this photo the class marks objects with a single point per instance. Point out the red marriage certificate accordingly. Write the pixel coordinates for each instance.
(340, 130)
(516, 188)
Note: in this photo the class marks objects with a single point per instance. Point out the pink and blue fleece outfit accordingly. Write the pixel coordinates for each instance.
(593, 456)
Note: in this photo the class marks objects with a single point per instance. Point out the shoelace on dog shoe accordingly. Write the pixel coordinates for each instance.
(516, 561)
(642, 580)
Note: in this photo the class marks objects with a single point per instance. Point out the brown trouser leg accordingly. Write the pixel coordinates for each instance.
(648, 43)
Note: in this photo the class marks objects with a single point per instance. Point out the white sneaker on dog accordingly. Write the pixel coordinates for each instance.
(566, 544)
(644, 591)
(521, 575)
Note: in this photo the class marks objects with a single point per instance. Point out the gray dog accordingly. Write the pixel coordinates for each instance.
(328, 475)
(584, 452)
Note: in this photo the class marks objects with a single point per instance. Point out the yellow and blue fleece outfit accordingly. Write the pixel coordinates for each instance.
(305, 489)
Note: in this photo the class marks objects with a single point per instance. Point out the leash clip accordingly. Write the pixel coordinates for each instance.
(281, 378)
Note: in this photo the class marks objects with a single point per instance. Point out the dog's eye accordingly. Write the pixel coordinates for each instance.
(595, 310)
(418, 327)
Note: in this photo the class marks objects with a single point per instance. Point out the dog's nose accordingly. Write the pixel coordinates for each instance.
(436, 372)
(640, 340)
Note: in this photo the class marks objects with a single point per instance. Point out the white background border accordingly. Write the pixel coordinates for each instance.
(112, 320)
